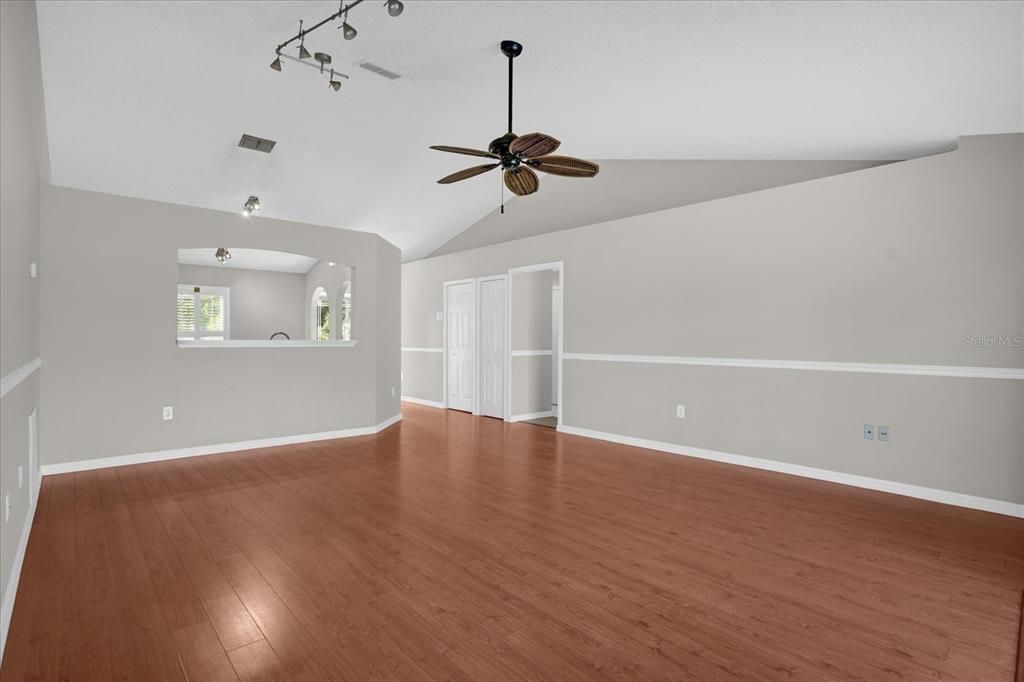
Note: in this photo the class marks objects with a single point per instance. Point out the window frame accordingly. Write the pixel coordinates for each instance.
(223, 292)
(319, 293)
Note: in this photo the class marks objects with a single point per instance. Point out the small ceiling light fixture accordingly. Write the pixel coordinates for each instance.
(222, 255)
(334, 83)
(276, 64)
(347, 31)
(323, 58)
(395, 7)
(303, 52)
(252, 205)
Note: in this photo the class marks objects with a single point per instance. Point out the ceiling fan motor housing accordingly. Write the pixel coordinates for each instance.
(499, 147)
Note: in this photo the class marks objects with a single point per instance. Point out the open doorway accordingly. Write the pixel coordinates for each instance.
(535, 333)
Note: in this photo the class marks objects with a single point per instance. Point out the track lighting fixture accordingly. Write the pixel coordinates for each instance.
(348, 32)
(222, 255)
(303, 52)
(323, 59)
(252, 205)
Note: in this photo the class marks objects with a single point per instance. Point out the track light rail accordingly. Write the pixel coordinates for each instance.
(312, 65)
(337, 15)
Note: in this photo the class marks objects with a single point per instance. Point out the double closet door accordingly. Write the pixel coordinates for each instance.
(475, 338)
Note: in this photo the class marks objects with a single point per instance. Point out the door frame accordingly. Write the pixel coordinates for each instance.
(558, 266)
(476, 352)
(444, 338)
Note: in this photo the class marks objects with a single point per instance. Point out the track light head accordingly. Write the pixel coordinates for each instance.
(395, 7)
(252, 205)
(334, 83)
(303, 52)
(276, 64)
(347, 31)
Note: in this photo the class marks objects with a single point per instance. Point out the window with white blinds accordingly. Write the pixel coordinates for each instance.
(203, 313)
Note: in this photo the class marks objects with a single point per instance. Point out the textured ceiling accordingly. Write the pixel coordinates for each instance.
(148, 99)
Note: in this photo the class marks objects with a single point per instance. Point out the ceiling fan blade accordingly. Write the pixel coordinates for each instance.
(534, 144)
(463, 150)
(565, 165)
(522, 181)
(466, 173)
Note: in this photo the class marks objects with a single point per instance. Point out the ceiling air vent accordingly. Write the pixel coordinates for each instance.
(380, 71)
(256, 143)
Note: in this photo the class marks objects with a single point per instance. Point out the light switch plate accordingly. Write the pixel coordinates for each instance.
(33, 270)
(681, 411)
(440, 316)
(168, 413)
(883, 433)
(869, 432)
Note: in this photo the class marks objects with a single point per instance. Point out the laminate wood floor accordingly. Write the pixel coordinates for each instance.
(456, 547)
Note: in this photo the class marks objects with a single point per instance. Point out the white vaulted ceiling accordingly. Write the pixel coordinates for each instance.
(149, 99)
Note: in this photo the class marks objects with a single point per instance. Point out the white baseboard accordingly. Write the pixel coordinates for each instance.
(160, 455)
(531, 415)
(905, 489)
(11, 589)
(422, 401)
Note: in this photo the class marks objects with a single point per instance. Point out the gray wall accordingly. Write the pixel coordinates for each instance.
(103, 392)
(261, 302)
(631, 187)
(531, 310)
(530, 318)
(531, 384)
(893, 264)
(24, 166)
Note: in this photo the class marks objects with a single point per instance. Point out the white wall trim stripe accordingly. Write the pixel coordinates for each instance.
(820, 366)
(11, 588)
(527, 353)
(896, 488)
(422, 401)
(264, 343)
(8, 383)
(422, 350)
(160, 455)
(531, 415)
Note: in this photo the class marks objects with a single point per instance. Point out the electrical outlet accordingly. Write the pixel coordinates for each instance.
(7, 508)
(883, 433)
(681, 411)
(21, 476)
(440, 316)
(168, 413)
(869, 432)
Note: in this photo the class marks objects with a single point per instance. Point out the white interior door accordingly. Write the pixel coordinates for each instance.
(459, 344)
(492, 347)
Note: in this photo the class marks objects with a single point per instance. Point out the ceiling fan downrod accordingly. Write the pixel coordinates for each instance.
(510, 49)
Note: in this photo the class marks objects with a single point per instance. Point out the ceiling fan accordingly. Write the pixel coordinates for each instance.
(518, 155)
